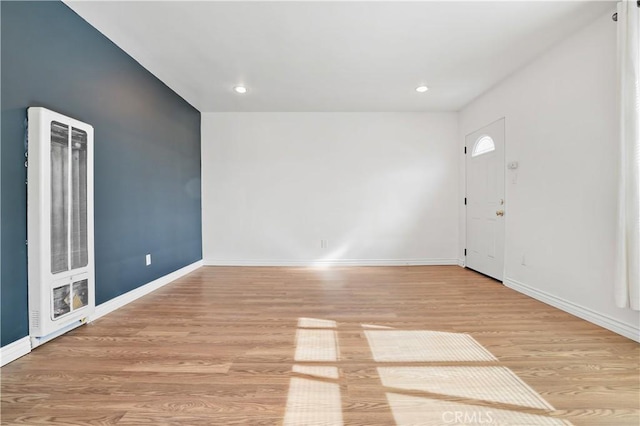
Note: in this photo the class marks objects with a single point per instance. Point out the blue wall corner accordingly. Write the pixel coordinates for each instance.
(147, 153)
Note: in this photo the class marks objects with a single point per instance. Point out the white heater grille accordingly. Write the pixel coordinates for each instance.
(60, 222)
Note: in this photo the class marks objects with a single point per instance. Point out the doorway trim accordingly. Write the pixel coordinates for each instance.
(503, 164)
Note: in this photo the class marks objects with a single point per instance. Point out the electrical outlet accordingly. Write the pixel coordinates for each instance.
(148, 259)
(323, 244)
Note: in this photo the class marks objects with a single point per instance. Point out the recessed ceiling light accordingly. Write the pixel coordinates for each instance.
(240, 89)
(422, 89)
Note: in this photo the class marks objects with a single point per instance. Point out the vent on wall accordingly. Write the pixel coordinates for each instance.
(35, 319)
(60, 223)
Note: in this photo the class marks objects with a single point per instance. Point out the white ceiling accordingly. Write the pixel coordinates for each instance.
(335, 56)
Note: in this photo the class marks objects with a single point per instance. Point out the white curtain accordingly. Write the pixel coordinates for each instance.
(627, 279)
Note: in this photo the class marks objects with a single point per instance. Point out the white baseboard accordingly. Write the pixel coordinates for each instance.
(587, 314)
(21, 347)
(461, 263)
(329, 262)
(118, 302)
(14, 350)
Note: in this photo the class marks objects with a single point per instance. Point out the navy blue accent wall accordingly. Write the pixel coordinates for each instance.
(147, 153)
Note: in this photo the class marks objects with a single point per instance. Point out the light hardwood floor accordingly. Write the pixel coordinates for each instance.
(357, 345)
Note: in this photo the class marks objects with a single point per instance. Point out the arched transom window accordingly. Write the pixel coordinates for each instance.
(483, 145)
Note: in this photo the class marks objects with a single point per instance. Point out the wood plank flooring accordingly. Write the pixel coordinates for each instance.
(356, 346)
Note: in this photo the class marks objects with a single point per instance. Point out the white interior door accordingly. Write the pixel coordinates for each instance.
(485, 200)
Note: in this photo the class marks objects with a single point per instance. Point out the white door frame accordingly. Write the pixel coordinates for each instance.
(502, 165)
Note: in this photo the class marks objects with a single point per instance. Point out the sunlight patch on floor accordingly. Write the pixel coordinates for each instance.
(424, 346)
(316, 345)
(490, 384)
(312, 402)
(417, 394)
(376, 327)
(321, 371)
(419, 411)
(315, 323)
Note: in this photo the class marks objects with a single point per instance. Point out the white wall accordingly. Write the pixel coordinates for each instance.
(560, 116)
(380, 188)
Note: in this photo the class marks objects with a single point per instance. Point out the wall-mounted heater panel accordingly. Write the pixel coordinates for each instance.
(60, 224)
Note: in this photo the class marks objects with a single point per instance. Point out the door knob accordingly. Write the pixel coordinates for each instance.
(499, 212)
